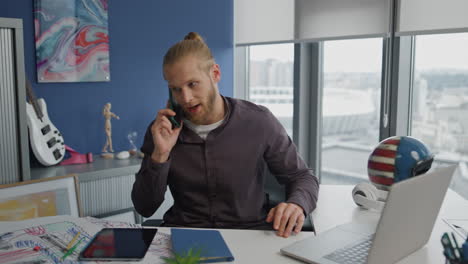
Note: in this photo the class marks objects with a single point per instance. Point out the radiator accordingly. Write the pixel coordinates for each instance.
(106, 195)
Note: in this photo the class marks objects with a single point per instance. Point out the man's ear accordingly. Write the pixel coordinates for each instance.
(215, 73)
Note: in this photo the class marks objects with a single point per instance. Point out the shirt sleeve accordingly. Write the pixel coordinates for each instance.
(150, 181)
(289, 168)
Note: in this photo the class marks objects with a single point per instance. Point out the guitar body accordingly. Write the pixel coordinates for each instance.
(46, 141)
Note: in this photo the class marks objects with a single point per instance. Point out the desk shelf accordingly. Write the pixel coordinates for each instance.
(105, 185)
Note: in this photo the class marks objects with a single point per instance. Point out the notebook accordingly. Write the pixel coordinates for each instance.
(209, 243)
(405, 226)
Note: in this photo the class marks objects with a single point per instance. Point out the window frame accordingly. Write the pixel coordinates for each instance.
(308, 90)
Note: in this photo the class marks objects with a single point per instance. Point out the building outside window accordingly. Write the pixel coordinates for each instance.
(350, 107)
(351, 90)
(440, 101)
(271, 80)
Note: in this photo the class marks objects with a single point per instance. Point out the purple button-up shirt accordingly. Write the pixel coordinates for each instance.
(219, 182)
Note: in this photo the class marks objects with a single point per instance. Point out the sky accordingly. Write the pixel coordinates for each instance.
(281, 52)
(365, 55)
(443, 50)
(337, 54)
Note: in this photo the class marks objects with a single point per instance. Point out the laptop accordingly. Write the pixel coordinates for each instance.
(405, 226)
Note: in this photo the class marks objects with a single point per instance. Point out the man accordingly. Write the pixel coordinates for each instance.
(214, 162)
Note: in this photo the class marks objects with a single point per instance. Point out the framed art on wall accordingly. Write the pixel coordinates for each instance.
(38, 198)
(72, 40)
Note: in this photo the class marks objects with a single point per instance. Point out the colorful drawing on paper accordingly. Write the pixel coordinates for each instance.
(72, 40)
(110, 224)
(28, 206)
(43, 244)
(161, 246)
(51, 240)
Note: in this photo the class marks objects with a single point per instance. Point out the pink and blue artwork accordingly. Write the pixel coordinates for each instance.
(72, 40)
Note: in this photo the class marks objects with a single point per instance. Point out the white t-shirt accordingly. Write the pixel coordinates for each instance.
(202, 130)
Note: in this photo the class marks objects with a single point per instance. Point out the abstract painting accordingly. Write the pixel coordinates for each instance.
(72, 40)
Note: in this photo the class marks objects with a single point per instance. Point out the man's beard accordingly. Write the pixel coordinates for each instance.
(207, 108)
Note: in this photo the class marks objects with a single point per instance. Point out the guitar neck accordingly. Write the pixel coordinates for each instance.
(33, 100)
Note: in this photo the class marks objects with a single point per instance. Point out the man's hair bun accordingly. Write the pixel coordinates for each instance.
(192, 45)
(194, 36)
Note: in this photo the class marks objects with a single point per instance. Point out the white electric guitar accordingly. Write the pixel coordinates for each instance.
(46, 141)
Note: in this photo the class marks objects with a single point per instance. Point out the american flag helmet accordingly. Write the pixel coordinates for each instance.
(396, 159)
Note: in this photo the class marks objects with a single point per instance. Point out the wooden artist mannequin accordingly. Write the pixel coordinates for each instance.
(107, 126)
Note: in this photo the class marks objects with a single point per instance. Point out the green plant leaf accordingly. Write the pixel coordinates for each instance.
(191, 257)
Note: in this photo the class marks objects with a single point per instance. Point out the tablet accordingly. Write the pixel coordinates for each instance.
(119, 244)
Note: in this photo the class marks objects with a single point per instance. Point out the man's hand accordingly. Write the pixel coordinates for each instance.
(286, 217)
(164, 137)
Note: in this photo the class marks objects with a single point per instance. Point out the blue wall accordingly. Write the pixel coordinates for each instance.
(140, 33)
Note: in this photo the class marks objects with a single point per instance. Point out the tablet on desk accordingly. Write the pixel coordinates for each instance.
(119, 244)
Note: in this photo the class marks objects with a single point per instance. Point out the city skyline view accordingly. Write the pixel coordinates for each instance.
(452, 53)
(352, 95)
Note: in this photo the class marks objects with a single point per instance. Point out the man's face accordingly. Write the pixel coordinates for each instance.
(194, 88)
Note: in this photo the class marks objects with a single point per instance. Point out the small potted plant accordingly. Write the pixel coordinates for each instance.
(191, 257)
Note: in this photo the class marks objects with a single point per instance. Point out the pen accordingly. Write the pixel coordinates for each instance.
(73, 240)
(32, 262)
(457, 248)
(71, 250)
(448, 248)
(5, 235)
(448, 256)
(464, 232)
(53, 242)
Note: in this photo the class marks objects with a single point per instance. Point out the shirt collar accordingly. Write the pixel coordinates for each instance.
(187, 135)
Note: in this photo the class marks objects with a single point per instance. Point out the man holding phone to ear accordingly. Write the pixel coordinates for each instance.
(213, 162)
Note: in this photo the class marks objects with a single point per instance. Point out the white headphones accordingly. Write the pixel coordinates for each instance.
(369, 197)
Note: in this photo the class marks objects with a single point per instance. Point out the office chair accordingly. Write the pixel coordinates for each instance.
(274, 194)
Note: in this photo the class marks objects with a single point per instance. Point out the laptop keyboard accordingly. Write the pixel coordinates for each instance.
(353, 254)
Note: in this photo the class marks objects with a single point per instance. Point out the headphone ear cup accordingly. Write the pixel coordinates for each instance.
(367, 196)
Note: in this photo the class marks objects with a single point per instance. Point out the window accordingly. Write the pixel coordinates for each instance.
(439, 105)
(351, 108)
(271, 80)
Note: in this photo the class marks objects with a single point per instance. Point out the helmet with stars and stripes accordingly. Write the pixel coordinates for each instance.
(396, 159)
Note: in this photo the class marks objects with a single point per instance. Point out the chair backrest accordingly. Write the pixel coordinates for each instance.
(275, 193)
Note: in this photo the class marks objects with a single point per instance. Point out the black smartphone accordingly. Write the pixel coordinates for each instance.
(176, 120)
(119, 244)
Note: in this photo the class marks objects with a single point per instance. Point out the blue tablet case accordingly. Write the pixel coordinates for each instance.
(209, 243)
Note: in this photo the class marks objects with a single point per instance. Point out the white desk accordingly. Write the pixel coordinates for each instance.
(335, 206)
